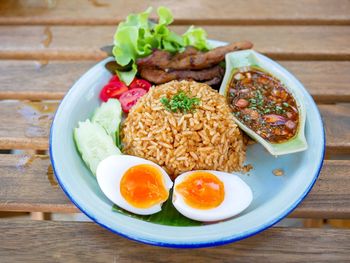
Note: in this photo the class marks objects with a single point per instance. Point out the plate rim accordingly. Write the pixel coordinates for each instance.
(218, 242)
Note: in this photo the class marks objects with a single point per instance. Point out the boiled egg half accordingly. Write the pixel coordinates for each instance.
(210, 195)
(134, 184)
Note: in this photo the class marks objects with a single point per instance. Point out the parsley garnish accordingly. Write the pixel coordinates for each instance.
(180, 102)
(279, 109)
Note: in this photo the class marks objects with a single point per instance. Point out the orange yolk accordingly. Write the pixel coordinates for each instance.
(142, 186)
(202, 190)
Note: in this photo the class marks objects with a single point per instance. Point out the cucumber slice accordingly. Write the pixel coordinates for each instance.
(109, 116)
(93, 143)
(117, 139)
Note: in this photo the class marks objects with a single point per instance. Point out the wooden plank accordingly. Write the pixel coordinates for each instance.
(49, 241)
(25, 125)
(196, 12)
(330, 197)
(40, 80)
(51, 80)
(337, 126)
(83, 42)
(28, 184)
(326, 81)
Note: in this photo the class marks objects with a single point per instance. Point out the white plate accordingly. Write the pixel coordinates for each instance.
(274, 197)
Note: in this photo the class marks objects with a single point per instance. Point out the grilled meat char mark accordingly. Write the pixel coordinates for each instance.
(189, 51)
(159, 76)
(194, 61)
(161, 58)
(158, 59)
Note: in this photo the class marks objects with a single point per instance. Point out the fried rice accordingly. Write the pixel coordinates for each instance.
(206, 138)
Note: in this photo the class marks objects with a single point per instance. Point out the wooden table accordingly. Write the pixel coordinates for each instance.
(47, 45)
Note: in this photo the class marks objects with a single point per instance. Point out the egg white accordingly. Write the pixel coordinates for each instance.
(238, 196)
(110, 172)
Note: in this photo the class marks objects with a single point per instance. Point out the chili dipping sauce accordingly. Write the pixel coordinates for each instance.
(261, 102)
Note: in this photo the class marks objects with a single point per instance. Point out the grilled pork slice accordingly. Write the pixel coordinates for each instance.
(193, 60)
(159, 76)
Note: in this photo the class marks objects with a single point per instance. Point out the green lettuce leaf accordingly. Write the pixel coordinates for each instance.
(137, 36)
(128, 76)
(196, 37)
(165, 15)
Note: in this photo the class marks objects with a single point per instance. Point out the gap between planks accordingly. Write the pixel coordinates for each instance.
(52, 79)
(83, 42)
(187, 11)
(35, 21)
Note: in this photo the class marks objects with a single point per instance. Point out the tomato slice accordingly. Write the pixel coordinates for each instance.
(130, 97)
(115, 78)
(113, 90)
(140, 83)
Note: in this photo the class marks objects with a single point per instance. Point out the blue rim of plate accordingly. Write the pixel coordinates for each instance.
(199, 244)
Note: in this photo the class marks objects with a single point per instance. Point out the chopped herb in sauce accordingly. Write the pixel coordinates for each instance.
(180, 102)
(262, 102)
